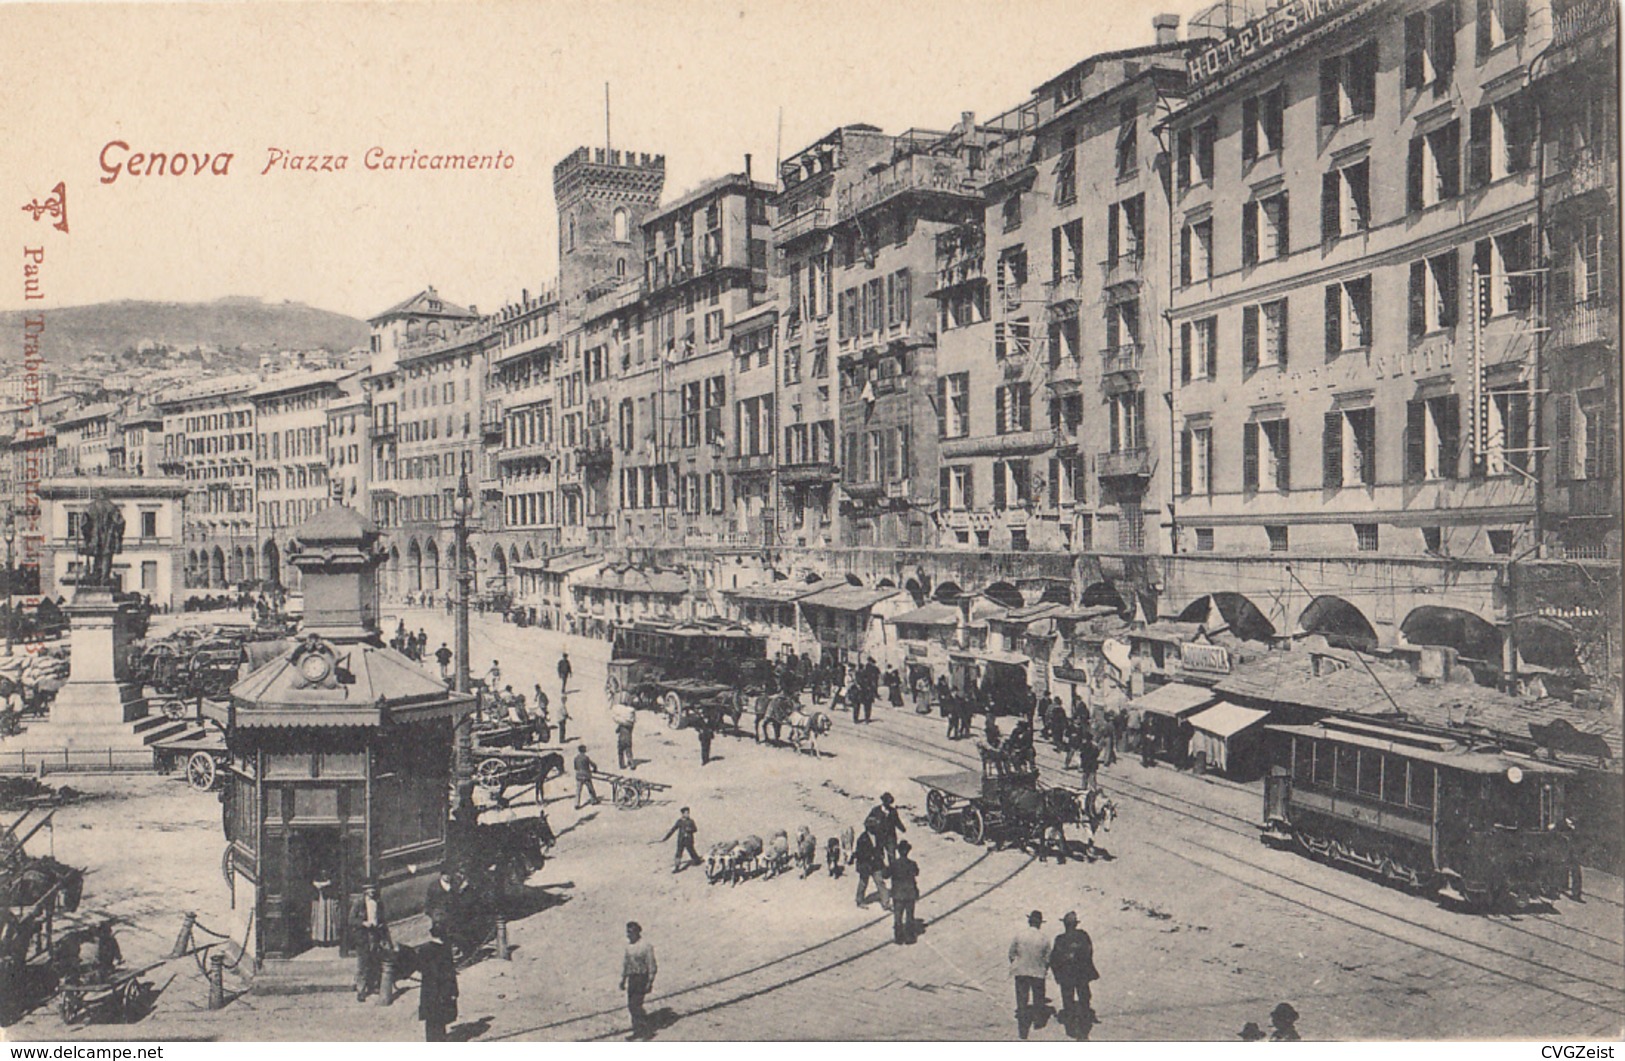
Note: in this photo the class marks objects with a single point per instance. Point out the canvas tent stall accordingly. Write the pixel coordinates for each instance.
(1165, 715)
(1228, 738)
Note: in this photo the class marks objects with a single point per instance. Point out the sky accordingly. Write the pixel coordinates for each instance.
(701, 83)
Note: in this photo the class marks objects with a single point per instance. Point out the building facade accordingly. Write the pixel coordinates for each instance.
(209, 443)
(153, 558)
(292, 462)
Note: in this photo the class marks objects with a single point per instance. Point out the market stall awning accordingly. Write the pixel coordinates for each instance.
(850, 598)
(929, 614)
(1175, 699)
(991, 655)
(773, 592)
(1226, 720)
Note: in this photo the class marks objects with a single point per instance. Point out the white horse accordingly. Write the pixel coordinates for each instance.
(806, 728)
(1097, 812)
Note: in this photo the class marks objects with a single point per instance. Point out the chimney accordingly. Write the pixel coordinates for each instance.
(1167, 27)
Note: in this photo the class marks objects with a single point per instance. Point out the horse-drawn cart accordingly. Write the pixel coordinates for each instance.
(687, 671)
(199, 750)
(1007, 803)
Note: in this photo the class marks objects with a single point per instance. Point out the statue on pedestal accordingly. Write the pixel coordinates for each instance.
(101, 537)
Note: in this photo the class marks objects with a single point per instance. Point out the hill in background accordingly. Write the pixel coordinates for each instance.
(228, 324)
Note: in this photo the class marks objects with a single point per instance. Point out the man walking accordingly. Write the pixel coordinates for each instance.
(563, 717)
(565, 670)
(370, 937)
(442, 656)
(1072, 959)
(1088, 762)
(905, 891)
(887, 824)
(1029, 964)
(437, 998)
(705, 729)
(543, 726)
(684, 829)
(584, 768)
(869, 859)
(637, 977)
(623, 738)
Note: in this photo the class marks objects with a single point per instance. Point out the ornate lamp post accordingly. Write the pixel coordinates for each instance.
(10, 534)
(462, 508)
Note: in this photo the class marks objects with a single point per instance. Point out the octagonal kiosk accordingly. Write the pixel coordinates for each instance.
(341, 761)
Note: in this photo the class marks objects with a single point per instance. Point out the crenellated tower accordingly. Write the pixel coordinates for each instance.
(602, 196)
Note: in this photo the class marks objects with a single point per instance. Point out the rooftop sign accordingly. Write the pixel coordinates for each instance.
(1259, 36)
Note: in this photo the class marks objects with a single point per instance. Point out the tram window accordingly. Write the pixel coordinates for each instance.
(1347, 767)
(1370, 772)
(1422, 786)
(1323, 764)
(1393, 779)
(1303, 760)
(1551, 806)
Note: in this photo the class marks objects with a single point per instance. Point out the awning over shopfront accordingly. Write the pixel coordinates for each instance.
(774, 592)
(928, 614)
(1175, 700)
(849, 598)
(1226, 720)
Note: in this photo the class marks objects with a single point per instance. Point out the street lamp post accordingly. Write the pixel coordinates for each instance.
(10, 533)
(462, 508)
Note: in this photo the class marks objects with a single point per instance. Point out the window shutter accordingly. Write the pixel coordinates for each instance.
(1212, 348)
(1249, 233)
(1443, 42)
(1283, 463)
(1484, 40)
(1413, 175)
(1482, 260)
(1186, 442)
(1331, 205)
(1332, 448)
(1334, 318)
(1450, 161)
(1419, 298)
(1450, 438)
(1111, 232)
(1444, 274)
(1115, 415)
(1478, 147)
(1055, 255)
(1416, 29)
(999, 493)
(905, 295)
(1249, 129)
(1563, 437)
(1275, 117)
(1330, 89)
(1054, 483)
(1363, 72)
(1184, 353)
(1212, 453)
(1001, 404)
(1283, 336)
(1249, 340)
(1249, 455)
(1185, 255)
(970, 483)
(1416, 436)
(942, 407)
(1184, 159)
(1283, 234)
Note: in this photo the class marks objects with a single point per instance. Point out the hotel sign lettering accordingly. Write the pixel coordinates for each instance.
(1259, 36)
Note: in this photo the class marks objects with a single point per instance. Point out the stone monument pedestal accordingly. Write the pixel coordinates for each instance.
(96, 707)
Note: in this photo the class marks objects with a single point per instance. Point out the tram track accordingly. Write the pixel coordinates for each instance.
(786, 970)
(1367, 911)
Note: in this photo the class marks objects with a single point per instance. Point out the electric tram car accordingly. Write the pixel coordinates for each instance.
(1473, 825)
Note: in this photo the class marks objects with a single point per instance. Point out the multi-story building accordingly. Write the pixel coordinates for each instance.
(427, 371)
(522, 379)
(885, 222)
(209, 443)
(1577, 91)
(349, 446)
(138, 448)
(291, 462)
(1340, 387)
(796, 360)
(85, 439)
(1051, 352)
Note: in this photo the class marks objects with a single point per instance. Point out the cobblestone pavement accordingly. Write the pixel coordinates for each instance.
(1198, 928)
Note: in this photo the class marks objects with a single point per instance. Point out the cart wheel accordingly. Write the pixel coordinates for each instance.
(489, 775)
(626, 795)
(936, 811)
(612, 686)
(672, 704)
(173, 709)
(201, 773)
(228, 865)
(975, 826)
(70, 1007)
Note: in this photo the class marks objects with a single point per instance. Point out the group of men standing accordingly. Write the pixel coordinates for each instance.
(1070, 958)
(879, 856)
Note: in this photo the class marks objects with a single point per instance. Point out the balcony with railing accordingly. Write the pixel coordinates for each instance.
(1124, 358)
(1584, 170)
(998, 445)
(1583, 323)
(596, 451)
(1124, 463)
(1066, 374)
(1581, 20)
(915, 175)
(1126, 268)
(383, 430)
(750, 463)
(808, 472)
(790, 227)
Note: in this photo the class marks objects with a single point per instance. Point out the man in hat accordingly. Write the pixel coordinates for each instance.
(904, 874)
(584, 768)
(1251, 1032)
(565, 670)
(1284, 1024)
(1072, 959)
(888, 823)
(869, 858)
(684, 829)
(369, 929)
(1029, 965)
(442, 656)
(437, 998)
